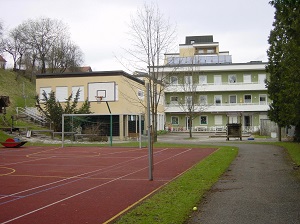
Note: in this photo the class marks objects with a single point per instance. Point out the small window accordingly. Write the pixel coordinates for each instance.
(262, 78)
(232, 99)
(203, 120)
(192, 42)
(247, 99)
(175, 120)
(231, 79)
(217, 79)
(203, 100)
(218, 100)
(188, 79)
(218, 120)
(174, 80)
(61, 93)
(47, 90)
(263, 99)
(140, 94)
(200, 51)
(232, 119)
(210, 51)
(174, 99)
(202, 79)
(189, 100)
(81, 92)
(247, 78)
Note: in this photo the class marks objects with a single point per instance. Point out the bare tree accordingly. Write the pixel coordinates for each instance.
(14, 45)
(151, 36)
(64, 55)
(1, 34)
(191, 102)
(49, 44)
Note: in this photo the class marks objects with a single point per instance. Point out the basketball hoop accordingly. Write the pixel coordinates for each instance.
(99, 98)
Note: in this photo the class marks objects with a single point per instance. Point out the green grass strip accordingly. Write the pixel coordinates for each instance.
(293, 149)
(174, 202)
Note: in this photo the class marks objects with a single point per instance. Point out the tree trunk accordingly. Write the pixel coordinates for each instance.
(190, 127)
(279, 133)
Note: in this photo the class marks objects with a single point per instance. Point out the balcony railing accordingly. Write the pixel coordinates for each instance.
(199, 59)
(211, 87)
(223, 107)
(212, 129)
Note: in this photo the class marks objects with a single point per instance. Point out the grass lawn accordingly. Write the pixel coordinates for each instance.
(293, 149)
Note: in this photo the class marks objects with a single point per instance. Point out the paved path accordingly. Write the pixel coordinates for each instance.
(259, 187)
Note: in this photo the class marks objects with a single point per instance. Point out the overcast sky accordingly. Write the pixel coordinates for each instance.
(99, 27)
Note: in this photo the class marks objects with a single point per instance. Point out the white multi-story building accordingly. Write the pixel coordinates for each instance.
(222, 92)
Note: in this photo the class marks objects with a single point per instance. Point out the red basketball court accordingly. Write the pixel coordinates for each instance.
(83, 184)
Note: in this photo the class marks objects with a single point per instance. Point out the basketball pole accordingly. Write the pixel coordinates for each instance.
(110, 128)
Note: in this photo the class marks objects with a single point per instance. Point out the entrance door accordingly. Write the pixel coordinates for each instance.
(248, 122)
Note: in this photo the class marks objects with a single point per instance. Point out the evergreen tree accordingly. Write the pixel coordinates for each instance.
(54, 110)
(283, 65)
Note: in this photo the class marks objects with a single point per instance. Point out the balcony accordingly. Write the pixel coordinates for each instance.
(211, 87)
(225, 107)
(199, 59)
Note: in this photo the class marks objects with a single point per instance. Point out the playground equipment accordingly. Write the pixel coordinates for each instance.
(13, 143)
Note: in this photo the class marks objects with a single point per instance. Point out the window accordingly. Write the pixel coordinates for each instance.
(188, 100)
(174, 99)
(263, 99)
(247, 78)
(218, 100)
(81, 92)
(174, 120)
(174, 80)
(200, 51)
(61, 93)
(217, 79)
(247, 99)
(140, 94)
(203, 120)
(210, 51)
(202, 79)
(218, 120)
(192, 41)
(261, 78)
(232, 119)
(47, 90)
(232, 99)
(231, 79)
(188, 79)
(203, 100)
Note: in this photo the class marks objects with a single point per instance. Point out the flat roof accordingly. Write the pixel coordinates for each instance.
(90, 74)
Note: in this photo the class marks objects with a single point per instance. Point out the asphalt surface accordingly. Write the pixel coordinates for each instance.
(260, 186)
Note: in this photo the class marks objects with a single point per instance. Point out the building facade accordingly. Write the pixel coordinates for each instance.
(111, 92)
(219, 91)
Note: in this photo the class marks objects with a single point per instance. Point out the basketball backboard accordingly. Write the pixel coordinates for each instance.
(106, 90)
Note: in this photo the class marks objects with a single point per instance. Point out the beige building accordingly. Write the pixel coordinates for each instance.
(121, 93)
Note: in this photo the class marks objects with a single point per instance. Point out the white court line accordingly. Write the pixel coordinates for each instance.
(76, 176)
(90, 189)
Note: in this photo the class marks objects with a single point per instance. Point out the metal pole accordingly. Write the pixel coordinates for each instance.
(150, 151)
(140, 131)
(111, 129)
(62, 130)
(110, 123)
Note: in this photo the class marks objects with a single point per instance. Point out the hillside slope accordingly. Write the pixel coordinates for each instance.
(21, 92)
